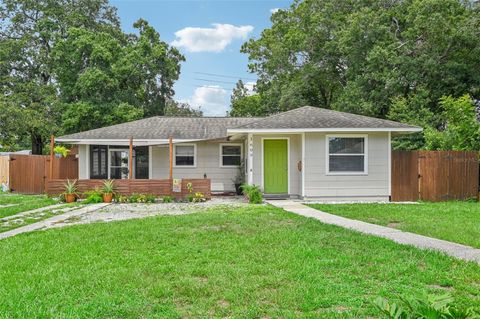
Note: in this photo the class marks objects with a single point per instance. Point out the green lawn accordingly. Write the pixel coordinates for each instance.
(22, 203)
(251, 262)
(453, 221)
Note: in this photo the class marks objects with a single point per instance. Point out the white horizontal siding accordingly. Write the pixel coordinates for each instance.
(373, 184)
(207, 162)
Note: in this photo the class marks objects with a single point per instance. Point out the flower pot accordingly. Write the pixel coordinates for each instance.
(70, 198)
(107, 198)
(58, 155)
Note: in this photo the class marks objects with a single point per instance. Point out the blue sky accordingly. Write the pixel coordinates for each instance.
(209, 34)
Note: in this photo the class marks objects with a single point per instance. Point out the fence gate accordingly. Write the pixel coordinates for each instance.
(434, 175)
(28, 173)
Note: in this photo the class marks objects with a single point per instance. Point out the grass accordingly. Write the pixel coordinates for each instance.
(248, 262)
(453, 221)
(28, 219)
(22, 203)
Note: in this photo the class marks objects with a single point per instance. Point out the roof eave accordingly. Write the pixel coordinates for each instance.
(332, 129)
(137, 142)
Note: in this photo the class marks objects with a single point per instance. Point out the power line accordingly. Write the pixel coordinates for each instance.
(216, 81)
(225, 76)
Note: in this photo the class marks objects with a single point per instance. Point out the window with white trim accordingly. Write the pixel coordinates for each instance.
(230, 155)
(185, 155)
(346, 154)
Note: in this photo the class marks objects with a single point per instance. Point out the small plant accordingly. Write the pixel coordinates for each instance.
(190, 198)
(133, 198)
(122, 199)
(199, 197)
(167, 199)
(61, 151)
(142, 198)
(425, 307)
(93, 197)
(71, 191)
(150, 198)
(239, 179)
(108, 189)
(252, 193)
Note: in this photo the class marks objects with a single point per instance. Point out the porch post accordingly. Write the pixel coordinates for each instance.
(130, 160)
(170, 143)
(250, 159)
(52, 146)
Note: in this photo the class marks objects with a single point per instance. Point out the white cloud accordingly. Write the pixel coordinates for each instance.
(214, 39)
(274, 10)
(213, 100)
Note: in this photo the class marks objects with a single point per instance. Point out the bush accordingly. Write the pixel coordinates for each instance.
(122, 199)
(252, 193)
(190, 198)
(167, 199)
(93, 196)
(150, 198)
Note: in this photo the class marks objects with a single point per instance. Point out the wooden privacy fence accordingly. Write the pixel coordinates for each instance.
(158, 187)
(4, 170)
(28, 173)
(434, 175)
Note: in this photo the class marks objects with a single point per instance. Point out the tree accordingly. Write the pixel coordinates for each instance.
(107, 78)
(365, 56)
(174, 108)
(460, 130)
(28, 32)
(245, 103)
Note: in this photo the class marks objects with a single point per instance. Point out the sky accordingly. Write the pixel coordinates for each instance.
(209, 33)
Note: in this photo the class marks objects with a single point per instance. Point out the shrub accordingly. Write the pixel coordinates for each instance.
(253, 193)
(122, 199)
(93, 196)
(167, 199)
(425, 307)
(133, 198)
(150, 198)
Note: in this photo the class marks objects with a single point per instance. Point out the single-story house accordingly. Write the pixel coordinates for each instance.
(309, 152)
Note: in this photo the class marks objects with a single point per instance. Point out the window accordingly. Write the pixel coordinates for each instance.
(346, 155)
(98, 161)
(119, 163)
(185, 155)
(230, 155)
(141, 162)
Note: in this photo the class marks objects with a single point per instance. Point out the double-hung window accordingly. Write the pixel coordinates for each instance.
(230, 155)
(185, 155)
(347, 154)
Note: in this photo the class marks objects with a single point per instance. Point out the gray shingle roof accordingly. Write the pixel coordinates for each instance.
(160, 127)
(193, 128)
(317, 118)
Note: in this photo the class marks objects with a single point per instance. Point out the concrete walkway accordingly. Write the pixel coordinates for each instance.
(33, 211)
(398, 236)
(52, 220)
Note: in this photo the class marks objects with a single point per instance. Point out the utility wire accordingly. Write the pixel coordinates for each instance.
(216, 81)
(225, 76)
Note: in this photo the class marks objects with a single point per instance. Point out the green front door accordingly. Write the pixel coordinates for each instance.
(275, 166)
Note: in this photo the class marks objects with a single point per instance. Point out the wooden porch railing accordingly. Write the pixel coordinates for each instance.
(158, 187)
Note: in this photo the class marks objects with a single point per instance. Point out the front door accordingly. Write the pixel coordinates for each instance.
(275, 166)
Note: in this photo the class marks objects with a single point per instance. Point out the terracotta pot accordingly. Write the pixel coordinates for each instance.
(70, 198)
(107, 198)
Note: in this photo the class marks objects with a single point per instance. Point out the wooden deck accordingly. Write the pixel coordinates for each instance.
(158, 187)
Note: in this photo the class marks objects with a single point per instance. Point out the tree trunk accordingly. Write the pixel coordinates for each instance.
(37, 144)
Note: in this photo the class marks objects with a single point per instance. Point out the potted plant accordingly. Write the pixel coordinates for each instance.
(70, 193)
(61, 151)
(108, 190)
(239, 179)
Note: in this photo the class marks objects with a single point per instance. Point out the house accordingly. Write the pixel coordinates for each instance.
(309, 152)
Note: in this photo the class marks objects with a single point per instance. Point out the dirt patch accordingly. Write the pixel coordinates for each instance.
(394, 224)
